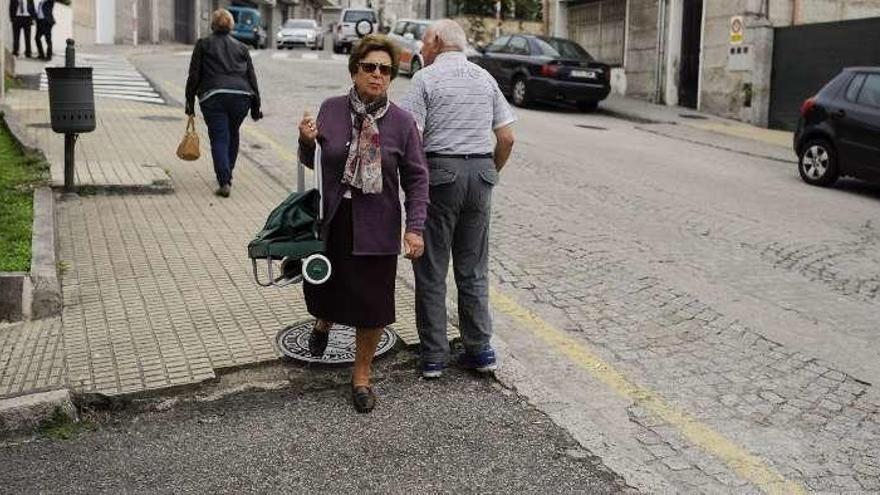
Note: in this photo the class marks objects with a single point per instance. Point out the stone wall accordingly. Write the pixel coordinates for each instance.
(481, 30)
(641, 50)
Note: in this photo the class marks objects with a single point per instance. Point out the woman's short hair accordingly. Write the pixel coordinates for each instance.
(373, 43)
(222, 21)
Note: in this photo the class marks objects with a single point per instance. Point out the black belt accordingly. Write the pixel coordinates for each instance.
(474, 156)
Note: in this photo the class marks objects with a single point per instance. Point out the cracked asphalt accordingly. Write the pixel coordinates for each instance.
(292, 431)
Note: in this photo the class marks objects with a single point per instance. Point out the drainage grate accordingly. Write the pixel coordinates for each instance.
(692, 116)
(593, 127)
(293, 342)
(161, 118)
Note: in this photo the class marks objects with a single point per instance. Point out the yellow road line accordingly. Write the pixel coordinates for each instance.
(747, 465)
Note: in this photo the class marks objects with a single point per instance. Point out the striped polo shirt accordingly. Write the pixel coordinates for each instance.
(457, 105)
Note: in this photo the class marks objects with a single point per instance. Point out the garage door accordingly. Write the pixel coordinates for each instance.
(805, 58)
(599, 26)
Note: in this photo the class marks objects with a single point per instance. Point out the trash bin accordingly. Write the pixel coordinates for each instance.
(71, 99)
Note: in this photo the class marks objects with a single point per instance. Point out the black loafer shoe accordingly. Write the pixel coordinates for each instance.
(318, 342)
(363, 398)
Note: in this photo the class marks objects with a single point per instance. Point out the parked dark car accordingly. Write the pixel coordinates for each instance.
(838, 132)
(530, 68)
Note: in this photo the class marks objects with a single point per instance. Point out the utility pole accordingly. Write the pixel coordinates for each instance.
(134, 22)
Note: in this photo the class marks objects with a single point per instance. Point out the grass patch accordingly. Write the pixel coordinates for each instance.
(61, 427)
(21, 172)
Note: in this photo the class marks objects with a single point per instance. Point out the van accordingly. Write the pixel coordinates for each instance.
(353, 25)
(249, 27)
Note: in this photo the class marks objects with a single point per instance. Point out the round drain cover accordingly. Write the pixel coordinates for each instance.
(293, 342)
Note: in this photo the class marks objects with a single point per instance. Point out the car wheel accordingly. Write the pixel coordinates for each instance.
(414, 66)
(337, 49)
(588, 106)
(521, 96)
(817, 163)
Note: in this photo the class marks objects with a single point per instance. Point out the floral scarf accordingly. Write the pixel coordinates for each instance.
(363, 168)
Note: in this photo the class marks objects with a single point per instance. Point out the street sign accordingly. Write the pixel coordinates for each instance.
(737, 30)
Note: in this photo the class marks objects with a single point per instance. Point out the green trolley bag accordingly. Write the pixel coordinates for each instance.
(292, 236)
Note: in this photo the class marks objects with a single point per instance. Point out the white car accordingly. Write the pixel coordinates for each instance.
(353, 25)
(407, 35)
(300, 32)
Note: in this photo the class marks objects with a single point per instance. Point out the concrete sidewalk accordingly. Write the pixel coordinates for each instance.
(702, 128)
(157, 289)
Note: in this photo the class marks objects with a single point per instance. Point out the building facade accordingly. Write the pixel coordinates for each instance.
(718, 55)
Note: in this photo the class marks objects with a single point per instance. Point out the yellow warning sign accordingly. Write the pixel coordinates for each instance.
(737, 29)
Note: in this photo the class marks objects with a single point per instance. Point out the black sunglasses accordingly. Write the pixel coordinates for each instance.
(370, 67)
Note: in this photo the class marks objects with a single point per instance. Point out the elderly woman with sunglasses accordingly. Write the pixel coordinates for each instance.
(370, 148)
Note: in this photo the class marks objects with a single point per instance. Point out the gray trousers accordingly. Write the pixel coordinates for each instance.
(457, 224)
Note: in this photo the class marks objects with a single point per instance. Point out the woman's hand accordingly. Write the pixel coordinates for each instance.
(308, 129)
(413, 245)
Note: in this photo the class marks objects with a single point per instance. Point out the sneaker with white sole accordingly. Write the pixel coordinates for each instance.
(432, 370)
(484, 362)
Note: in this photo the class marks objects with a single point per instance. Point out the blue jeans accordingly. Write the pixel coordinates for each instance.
(224, 114)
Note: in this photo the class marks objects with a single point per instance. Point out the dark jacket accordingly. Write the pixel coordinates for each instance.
(48, 16)
(219, 61)
(13, 9)
(376, 217)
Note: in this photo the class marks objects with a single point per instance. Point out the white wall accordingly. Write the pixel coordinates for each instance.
(105, 29)
(63, 25)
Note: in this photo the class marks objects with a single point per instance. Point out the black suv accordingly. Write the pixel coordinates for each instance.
(838, 133)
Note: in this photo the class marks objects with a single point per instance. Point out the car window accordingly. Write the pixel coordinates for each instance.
(852, 92)
(518, 46)
(412, 29)
(359, 15)
(498, 45)
(561, 48)
(292, 24)
(870, 93)
(420, 32)
(399, 28)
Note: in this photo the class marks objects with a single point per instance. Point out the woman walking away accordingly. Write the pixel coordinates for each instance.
(221, 74)
(370, 149)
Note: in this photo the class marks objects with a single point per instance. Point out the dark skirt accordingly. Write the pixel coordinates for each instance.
(360, 290)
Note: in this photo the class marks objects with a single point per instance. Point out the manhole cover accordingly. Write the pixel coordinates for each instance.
(161, 118)
(593, 127)
(293, 342)
(692, 116)
(41, 125)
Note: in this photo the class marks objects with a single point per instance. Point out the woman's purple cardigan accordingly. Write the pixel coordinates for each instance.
(376, 217)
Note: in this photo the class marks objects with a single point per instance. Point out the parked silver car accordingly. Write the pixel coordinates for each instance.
(300, 32)
(408, 34)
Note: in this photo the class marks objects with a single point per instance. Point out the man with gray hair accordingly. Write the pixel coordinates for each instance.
(458, 107)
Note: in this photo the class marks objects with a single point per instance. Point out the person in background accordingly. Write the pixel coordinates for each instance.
(370, 149)
(21, 14)
(45, 21)
(221, 74)
(466, 123)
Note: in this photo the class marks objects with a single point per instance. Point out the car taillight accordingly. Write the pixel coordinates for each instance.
(807, 106)
(549, 70)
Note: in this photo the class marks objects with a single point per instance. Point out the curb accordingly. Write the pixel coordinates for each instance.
(28, 412)
(46, 288)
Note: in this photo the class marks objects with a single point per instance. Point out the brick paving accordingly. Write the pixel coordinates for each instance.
(157, 288)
